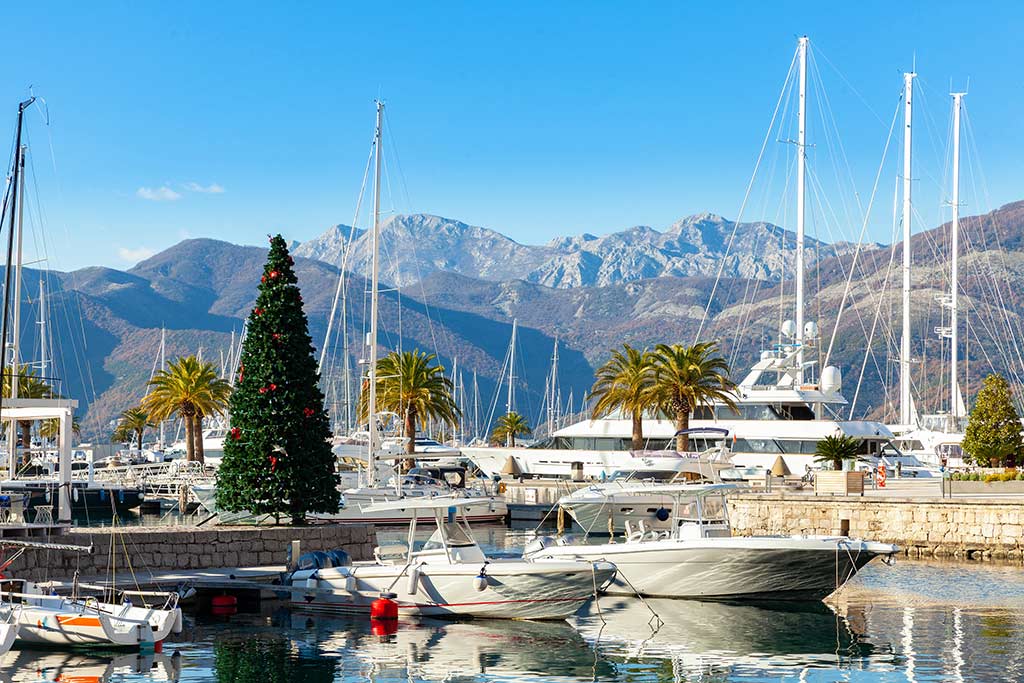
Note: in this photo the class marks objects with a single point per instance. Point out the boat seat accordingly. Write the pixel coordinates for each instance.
(391, 552)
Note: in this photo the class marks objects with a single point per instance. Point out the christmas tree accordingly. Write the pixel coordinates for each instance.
(277, 456)
(992, 438)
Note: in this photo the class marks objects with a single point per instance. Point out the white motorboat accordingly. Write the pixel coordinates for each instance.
(607, 508)
(450, 575)
(699, 558)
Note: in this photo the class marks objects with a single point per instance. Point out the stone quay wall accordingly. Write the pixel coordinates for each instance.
(186, 548)
(966, 529)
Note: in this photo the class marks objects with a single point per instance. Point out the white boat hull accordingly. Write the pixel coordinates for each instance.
(492, 511)
(8, 632)
(729, 568)
(73, 625)
(515, 589)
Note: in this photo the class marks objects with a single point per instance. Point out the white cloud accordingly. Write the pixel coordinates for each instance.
(212, 188)
(158, 194)
(134, 255)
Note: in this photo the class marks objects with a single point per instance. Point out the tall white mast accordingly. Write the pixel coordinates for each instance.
(510, 404)
(163, 365)
(371, 403)
(43, 360)
(12, 434)
(954, 286)
(552, 399)
(800, 183)
(908, 119)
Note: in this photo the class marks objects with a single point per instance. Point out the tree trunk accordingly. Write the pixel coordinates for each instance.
(190, 446)
(638, 431)
(512, 438)
(139, 433)
(682, 422)
(410, 438)
(26, 441)
(197, 437)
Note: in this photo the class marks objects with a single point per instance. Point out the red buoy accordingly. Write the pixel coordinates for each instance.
(224, 601)
(384, 607)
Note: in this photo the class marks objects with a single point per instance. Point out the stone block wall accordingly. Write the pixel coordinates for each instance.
(187, 548)
(969, 529)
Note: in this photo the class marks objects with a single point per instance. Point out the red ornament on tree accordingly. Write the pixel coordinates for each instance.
(308, 412)
(273, 387)
(273, 463)
(263, 390)
(276, 336)
(263, 279)
(274, 274)
(236, 433)
(257, 311)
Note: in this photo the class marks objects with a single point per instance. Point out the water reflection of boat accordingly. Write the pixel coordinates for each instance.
(697, 635)
(435, 649)
(82, 667)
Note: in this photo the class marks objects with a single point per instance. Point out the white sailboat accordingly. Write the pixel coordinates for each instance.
(450, 575)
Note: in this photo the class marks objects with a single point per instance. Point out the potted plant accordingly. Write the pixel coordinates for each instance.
(836, 450)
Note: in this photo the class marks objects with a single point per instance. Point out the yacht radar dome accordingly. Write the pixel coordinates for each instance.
(831, 380)
(789, 329)
(811, 330)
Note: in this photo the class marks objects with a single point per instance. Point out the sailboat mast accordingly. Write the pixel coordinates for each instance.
(800, 204)
(19, 240)
(954, 285)
(163, 365)
(371, 401)
(908, 120)
(553, 390)
(511, 403)
(43, 369)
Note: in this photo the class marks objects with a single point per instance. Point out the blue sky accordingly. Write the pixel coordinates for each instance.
(536, 119)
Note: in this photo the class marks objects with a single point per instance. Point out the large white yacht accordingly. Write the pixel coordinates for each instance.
(775, 416)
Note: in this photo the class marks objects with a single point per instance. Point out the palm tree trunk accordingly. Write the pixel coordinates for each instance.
(682, 422)
(638, 431)
(197, 437)
(410, 435)
(138, 432)
(512, 438)
(190, 446)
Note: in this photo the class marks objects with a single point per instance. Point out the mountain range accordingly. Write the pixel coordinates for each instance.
(460, 287)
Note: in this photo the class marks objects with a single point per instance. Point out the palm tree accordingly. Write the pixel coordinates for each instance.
(50, 429)
(625, 382)
(510, 425)
(687, 377)
(836, 449)
(190, 389)
(133, 425)
(411, 385)
(29, 386)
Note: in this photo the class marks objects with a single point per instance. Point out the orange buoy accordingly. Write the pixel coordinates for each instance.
(384, 608)
(881, 475)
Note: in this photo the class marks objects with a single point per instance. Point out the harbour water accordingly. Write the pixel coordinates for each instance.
(915, 621)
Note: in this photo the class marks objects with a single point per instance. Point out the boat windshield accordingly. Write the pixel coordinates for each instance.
(712, 509)
(456, 534)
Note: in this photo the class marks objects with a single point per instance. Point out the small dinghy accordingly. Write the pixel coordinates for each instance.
(57, 620)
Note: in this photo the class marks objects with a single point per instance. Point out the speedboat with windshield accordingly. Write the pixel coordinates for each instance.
(698, 557)
(450, 575)
(634, 497)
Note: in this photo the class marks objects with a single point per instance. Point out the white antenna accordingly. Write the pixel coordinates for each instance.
(908, 119)
(801, 142)
(371, 402)
(954, 285)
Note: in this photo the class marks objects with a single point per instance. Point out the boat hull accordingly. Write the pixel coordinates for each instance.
(72, 625)
(514, 589)
(494, 510)
(731, 568)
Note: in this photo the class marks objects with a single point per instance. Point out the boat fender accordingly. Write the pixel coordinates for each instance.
(384, 608)
(414, 581)
(179, 625)
(480, 582)
(74, 494)
(662, 514)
